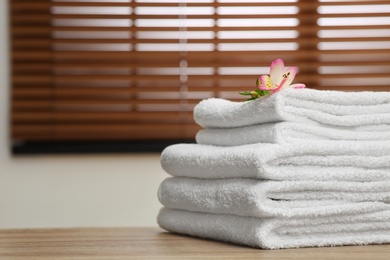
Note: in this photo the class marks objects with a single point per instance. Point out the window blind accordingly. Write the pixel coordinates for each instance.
(134, 70)
(353, 45)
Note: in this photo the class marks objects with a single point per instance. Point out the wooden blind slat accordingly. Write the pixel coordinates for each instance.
(44, 4)
(38, 18)
(103, 132)
(37, 43)
(166, 117)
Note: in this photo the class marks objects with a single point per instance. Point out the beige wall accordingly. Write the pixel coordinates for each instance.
(71, 191)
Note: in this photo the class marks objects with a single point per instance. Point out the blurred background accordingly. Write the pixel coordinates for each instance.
(93, 90)
(67, 190)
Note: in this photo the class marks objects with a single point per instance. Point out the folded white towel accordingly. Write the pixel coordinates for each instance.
(288, 132)
(274, 233)
(351, 161)
(298, 105)
(254, 198)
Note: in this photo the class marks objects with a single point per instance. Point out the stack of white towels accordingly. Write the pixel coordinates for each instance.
(298, 168)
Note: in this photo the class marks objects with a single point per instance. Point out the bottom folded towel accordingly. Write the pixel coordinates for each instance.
(276, 233)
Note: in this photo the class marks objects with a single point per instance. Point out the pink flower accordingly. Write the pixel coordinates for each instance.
(280, 77)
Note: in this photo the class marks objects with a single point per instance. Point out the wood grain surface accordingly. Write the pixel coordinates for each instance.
(154, 243)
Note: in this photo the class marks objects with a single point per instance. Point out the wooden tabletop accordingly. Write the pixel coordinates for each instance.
(153, 243)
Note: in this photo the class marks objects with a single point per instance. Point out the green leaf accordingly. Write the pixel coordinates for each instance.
(260, 93)
(263, 92)
(245, 93)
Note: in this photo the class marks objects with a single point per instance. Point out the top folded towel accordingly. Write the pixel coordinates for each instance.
(290, 132)
(298, 105)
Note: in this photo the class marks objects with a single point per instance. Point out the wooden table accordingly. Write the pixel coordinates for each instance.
(153, 243)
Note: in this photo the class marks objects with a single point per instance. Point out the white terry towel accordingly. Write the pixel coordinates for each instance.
(298, 105)
(275, 233)
(350, 161)
(288, 132)
(254, 198)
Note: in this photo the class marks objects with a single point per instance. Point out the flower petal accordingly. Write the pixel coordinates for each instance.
(265, 83)
(276, 89)
(288, 76)
(298, 85)
(276, 71)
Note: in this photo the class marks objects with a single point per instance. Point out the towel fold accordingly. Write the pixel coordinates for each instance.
(254, 198)
(289, 132)
(274, 233)
(349, 161)
(298, 105)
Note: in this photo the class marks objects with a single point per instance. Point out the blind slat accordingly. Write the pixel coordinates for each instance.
(25, 67)
(302, 41)
(44, 4)
(103, 132)
(23, 117)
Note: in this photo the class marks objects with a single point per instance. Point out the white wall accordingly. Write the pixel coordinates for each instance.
(71, 191)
